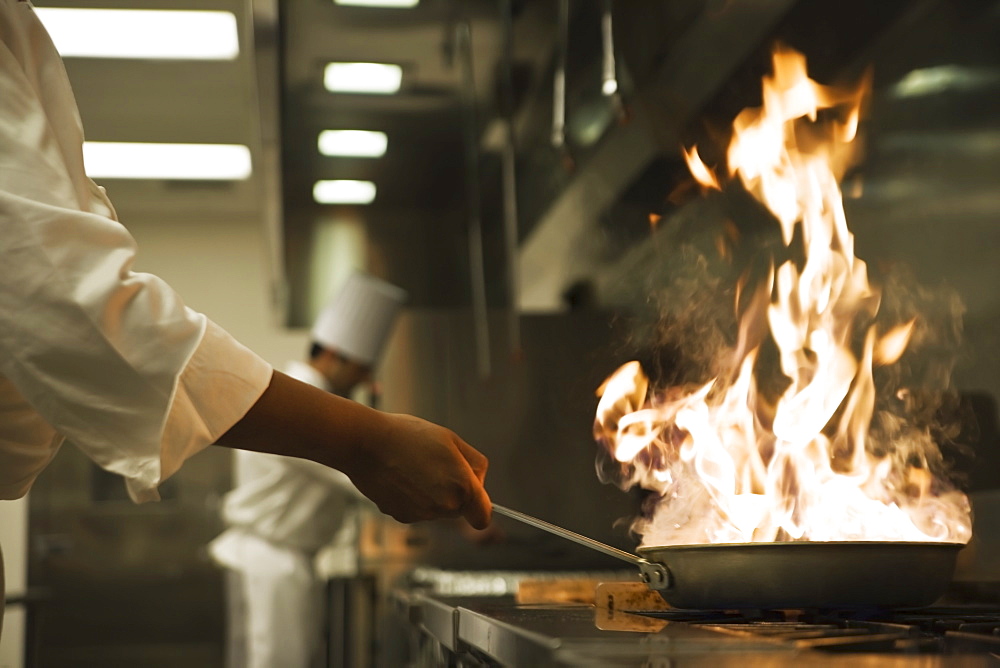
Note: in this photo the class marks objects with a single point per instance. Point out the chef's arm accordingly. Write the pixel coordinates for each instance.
(412, 469)
(323, 474)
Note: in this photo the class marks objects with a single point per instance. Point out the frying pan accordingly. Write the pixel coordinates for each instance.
(824, 575)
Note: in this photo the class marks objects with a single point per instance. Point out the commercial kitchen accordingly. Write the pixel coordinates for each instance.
(712, 283)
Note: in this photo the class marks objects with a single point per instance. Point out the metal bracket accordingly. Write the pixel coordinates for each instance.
(655, 575)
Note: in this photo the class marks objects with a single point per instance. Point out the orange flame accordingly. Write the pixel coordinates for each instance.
(891, 346)
(699, 170)
(731, 466)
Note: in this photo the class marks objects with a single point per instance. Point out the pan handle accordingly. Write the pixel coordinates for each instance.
(654, 574)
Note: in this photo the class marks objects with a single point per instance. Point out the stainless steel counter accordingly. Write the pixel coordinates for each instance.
(491, 631)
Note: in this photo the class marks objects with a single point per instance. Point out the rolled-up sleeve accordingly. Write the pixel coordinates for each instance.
(110, 358)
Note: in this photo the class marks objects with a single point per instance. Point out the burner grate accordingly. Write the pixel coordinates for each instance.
(926, 631)
(818, 636)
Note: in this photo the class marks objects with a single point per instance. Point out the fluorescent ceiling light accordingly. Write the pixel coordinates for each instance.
(142, 33)
(362, 78)
(194, 162)
(344, 191)
(378, 3)
(353, 143)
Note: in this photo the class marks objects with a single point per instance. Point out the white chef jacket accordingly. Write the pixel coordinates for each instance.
(290, 504)
(90, 350)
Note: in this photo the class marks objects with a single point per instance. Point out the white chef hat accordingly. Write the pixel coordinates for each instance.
(358, 321)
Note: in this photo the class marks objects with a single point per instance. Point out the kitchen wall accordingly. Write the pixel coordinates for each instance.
(218, 267)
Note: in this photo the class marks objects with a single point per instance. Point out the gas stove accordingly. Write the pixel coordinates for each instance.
(627, 625)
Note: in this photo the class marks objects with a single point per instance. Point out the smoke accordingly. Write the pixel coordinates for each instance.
(918, 413)
(688, 322)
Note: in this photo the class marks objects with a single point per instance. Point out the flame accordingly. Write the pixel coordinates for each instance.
(699, 170)
(732, 463)
(891, 346)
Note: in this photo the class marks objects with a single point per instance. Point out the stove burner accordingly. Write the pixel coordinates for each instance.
(940, 630)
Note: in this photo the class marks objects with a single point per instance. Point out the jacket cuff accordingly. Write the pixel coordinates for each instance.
(221, 382)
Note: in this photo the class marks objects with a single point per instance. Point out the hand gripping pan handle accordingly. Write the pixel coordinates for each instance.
(654, 574)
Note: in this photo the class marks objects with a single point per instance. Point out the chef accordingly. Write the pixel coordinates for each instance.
(113, 361)
(283, 510)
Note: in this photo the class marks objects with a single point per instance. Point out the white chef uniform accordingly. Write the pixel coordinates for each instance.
(283, 510)
(91, 351)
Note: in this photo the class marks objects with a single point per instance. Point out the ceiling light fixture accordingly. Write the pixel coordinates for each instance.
(142, 33)
(344, 191)
(362, 78)
(353, 143)
(377, 3)
(189, 162)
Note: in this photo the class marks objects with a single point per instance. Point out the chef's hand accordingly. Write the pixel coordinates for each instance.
(491, 535)
(416, 470)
